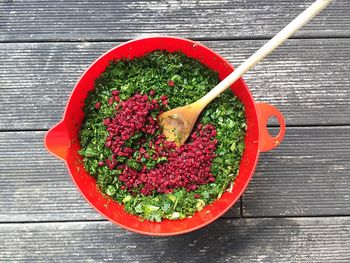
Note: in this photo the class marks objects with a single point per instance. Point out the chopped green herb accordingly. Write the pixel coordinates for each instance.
(182, 80)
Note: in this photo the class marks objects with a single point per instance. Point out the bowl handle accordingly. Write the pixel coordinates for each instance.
(57, 140)
(266, 141)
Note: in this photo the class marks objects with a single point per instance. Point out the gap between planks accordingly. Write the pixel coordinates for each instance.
(207, 39)
(345, 125)
(303, 217)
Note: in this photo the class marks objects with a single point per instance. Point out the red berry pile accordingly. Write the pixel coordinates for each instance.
(187, 166)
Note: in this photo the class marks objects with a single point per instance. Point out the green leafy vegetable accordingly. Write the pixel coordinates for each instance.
(190, 80)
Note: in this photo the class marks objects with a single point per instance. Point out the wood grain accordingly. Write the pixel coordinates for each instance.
(308, 174)
(120, 20)
(237, 240)
(35, 186)
(308, 80)
(305, 176)
(43, 51)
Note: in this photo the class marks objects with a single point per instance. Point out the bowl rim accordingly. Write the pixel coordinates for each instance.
(223, 211)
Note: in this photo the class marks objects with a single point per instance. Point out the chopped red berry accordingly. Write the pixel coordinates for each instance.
(181, 168)
(97, 105)
(171, 83)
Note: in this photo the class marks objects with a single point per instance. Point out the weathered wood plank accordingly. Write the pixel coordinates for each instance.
(307, 79)
(34, 186)
(116, 20)
(239, 240)
(309, 174)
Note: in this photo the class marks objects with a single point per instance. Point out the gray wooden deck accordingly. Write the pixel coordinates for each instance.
(297, 207)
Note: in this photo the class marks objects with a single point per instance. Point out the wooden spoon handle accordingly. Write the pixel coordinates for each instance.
(266, 49)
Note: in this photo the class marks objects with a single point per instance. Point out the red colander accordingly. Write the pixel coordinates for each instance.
(62, 139)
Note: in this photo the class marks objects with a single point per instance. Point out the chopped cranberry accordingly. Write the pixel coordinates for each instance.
(171, 83)
(142, 150)
(97, 105)
(187, 166)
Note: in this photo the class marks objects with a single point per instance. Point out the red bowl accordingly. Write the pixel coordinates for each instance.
(62, 139)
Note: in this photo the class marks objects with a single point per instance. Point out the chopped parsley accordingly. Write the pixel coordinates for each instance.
(182, 80)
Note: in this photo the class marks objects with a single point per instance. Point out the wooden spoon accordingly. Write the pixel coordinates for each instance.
(178, 123)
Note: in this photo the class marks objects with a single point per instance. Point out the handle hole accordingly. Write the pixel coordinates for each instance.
(273, 126)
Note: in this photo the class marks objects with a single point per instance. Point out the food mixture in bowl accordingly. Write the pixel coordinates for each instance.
(123, 147)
